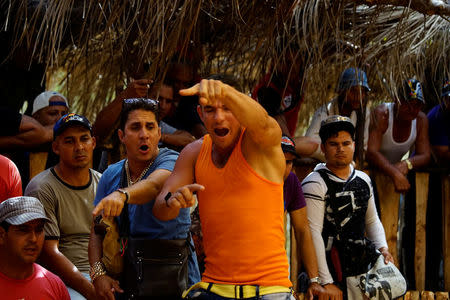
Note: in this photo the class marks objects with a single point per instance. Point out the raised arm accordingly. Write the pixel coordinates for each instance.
(182, 175)
(261, 128)
(109, 115)
(179, 138)
(378, 126)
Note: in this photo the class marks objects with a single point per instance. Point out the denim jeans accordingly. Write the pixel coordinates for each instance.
(74, 295)
(205, 295)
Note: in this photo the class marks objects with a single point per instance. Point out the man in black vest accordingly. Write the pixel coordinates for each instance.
(341, 210)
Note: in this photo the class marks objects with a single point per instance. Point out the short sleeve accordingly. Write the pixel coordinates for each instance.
(50, 203)
(295, 193)
(166, 160)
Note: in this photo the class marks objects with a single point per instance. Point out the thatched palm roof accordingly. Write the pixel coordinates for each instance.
(97, 42)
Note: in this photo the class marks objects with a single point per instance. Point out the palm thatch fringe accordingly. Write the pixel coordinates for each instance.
(99, 44)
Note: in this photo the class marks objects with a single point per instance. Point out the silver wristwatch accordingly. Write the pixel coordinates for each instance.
(315, 280)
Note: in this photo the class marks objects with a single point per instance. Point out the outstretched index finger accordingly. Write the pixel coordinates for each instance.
(195, 187)
(193, 90)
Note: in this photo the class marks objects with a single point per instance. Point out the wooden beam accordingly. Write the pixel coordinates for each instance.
(389, 201)
(420, 241)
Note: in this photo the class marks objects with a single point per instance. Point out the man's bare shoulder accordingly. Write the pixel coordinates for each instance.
(191, 151)
(422, 118)
(381, 110)
(380, 118)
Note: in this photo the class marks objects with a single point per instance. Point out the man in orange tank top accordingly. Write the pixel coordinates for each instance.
(237, 170)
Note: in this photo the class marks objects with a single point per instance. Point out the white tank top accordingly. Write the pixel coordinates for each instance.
(392, 150)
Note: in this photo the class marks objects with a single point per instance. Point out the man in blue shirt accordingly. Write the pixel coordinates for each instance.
(137, 180)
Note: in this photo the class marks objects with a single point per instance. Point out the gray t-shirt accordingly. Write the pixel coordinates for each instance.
(70, 209)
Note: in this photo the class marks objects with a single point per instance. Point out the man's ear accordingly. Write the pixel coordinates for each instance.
(94, 141)
(200, 112)
(55, 147)
(120, 134)
(322, 147)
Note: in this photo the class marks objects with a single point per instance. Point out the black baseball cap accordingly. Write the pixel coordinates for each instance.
(288, 145)
(333, 125)
(69, 120)
(411, 90)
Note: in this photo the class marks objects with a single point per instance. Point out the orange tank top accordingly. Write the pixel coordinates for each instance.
(242, 222)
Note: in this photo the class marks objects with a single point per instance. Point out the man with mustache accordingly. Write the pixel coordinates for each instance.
(67, 192)
(136, 181)
(22, 221)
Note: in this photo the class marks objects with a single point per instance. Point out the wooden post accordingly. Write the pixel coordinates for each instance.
(412, 295)
(441, 295)
(446, 229)
(389, 201)
(420, 242)
(38, 160)
(426, 295)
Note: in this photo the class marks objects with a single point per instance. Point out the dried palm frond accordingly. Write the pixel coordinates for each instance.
(97, 44)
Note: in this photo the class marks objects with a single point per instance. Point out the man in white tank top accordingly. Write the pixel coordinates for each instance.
(394, 129)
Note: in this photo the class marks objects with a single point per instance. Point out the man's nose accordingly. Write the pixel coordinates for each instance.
(219, 115)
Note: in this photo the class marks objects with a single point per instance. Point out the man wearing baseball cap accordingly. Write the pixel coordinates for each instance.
(49, 107)
(22, 221)
(439, 130)
(341, 210)
(295, 205)
(352, 92)
(67, 192)
(395, 128)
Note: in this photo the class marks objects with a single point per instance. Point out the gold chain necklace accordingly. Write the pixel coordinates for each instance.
(127, 170)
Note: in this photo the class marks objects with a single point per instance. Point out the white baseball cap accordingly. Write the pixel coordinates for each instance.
(43, 100)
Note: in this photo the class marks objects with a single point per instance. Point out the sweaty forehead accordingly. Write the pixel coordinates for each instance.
(141, 115)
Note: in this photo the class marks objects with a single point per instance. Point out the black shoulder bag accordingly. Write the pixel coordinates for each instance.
(153, 268)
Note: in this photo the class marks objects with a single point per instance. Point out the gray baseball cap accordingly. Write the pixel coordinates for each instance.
(20, 210)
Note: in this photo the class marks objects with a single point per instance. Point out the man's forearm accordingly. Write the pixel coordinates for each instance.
(162, 211)
(71, 276)
(95, 248)
(420, 160)
(307, 253)
(106, 118)
(380, 162)
(251, 114)
(148, 189)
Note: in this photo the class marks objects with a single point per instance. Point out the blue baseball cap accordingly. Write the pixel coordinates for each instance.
(352, 77)
(68, 121)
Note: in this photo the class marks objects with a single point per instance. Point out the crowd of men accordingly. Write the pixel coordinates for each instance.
(120, 227)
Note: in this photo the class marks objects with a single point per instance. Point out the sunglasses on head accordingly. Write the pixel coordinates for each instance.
(141, 100)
